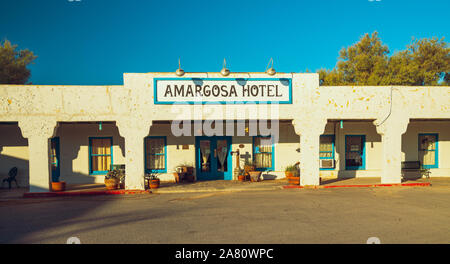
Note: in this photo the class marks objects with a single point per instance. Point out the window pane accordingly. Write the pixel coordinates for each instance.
(100, 146)
(427, 157)
(101, 163)
(427, 142)
(155, 158)
(155, 162)
(326, 143)
(205, 153)
(326, 154)
(263, 144)
(263, 160)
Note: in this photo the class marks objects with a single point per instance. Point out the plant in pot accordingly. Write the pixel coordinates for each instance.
(241, 174)
(57, 185)
(248, 166)
(254, 174)
(112, 179)
(153, 181)
(293, 174)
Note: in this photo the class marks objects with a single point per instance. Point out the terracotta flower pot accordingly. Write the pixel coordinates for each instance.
(111, 184)
(153, 184)
(241, 178)
(255, 176)
(59, 186)
(293, 180)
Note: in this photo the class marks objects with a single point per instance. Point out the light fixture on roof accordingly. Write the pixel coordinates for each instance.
(270, 71)
(179, 71)
(225, 71)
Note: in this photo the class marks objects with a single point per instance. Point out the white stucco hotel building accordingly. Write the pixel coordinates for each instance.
(78, 132)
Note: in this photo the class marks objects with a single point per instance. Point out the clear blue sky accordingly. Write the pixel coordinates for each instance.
(96, 41)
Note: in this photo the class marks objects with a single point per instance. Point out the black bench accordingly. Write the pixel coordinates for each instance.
(414, 166)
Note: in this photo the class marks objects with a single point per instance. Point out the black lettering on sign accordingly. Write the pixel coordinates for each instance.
(276, 89)
(254, 90)
(179, 90)
(224, 90)
(233, 91)
(269, 90)
(262, 86)
(189, 91)
(198, 90)
(245, 89)
(168, 91)
(216, 90)
(206, 91)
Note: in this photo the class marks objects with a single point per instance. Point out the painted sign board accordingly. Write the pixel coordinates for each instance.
(222, 90)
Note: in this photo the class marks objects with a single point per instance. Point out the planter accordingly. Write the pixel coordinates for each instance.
(255, 176)
(241, 178)
(293, 180)
(59, 186)
(111, 184)
(153, 184)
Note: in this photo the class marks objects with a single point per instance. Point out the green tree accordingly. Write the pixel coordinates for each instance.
(13, 64)
(424, 62)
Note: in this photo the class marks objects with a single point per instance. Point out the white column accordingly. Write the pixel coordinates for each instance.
(309, 150)
(391, 133)
(38, 133)
(134, 152)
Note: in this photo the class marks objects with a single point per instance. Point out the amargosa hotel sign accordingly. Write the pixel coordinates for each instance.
(222, 90)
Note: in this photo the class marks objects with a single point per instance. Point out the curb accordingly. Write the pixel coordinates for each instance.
(217, 190)
(82, 193)
(356, 185)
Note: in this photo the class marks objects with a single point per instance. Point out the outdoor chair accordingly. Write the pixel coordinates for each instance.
(11, 177)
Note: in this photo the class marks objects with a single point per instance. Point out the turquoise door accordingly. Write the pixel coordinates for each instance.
(54, 159)
(213, 158)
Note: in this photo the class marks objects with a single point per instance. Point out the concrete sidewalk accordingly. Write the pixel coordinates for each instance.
(223, 186)
(220, 186)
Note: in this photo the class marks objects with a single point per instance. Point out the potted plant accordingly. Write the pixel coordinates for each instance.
(250, 170)
(112, 179)
(153, 181)
(248, 166)
(241, 175)
(57, 185)
(293, 174)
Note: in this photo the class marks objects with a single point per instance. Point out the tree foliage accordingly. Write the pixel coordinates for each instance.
(13, 64)
(367, 62)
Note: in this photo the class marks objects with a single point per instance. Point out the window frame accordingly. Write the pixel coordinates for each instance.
(363, 156)
(436, 150)
(333, 137)
(255, 151)
(91, 171)
(146, 154)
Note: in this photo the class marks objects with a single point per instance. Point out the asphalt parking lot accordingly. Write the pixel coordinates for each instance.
(341, 215)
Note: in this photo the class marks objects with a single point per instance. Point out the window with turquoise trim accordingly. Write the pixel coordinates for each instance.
(155, 154)
(100, 152)
(326, 148)
(263, 153)
(428, 150)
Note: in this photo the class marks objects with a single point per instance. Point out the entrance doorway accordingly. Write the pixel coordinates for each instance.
(54, 159)
(213, 158)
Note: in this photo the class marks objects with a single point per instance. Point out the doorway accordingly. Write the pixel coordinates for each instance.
(54, 159)
(213, 158)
